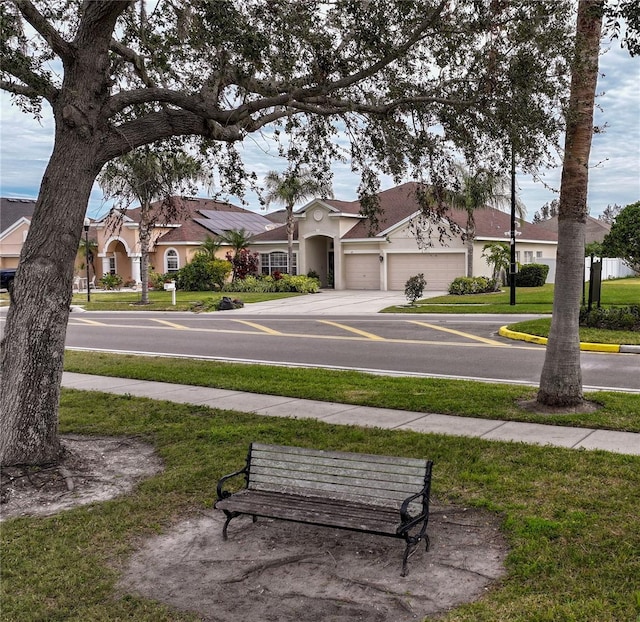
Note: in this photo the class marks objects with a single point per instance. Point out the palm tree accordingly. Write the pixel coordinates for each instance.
(88, 252)
(498, 256)
(146, 175)
(478, 190)
(289, 188)
(561, 378)
(238, 240)
(210, 246)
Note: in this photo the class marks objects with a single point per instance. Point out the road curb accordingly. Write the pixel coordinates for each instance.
(585, 346)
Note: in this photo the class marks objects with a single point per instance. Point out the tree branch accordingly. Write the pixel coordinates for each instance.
(18, 89)
(134, 59)
(34, 85)
(160, 125)
(61, 47)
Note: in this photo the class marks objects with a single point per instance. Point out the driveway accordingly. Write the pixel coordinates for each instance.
(330, 302)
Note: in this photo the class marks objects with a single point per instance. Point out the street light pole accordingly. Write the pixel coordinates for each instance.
(87, 222)
(513, 268)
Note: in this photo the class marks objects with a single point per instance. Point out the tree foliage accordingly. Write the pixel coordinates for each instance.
(152, 173)
(294, 185)
(624, 238)
(408, 83)
(475, 190)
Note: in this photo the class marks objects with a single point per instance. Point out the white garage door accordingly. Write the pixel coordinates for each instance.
(362, 271)
(438, 269)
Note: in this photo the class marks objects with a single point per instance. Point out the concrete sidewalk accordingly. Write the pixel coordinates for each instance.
(333, 412)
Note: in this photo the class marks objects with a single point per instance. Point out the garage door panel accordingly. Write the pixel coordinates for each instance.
(362, 271)
(438, 269)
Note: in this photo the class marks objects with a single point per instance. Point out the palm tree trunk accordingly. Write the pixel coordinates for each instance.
(290, 228)
(561, 379)
(144, 234)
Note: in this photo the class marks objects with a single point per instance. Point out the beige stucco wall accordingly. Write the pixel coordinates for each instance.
(11, 245)
(481, 268)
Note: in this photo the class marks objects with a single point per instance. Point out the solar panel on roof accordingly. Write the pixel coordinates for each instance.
(217, 222)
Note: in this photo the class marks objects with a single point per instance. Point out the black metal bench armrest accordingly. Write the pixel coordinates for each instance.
(405, 516)
(223, 494)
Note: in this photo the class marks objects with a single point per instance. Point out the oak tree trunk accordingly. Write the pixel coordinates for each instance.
(33, 345)
(561, 379)
(32, 349)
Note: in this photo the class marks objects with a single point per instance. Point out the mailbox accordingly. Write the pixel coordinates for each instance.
(170, 286)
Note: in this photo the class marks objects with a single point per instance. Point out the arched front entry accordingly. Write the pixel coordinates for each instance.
(118, 259)
(319, 258)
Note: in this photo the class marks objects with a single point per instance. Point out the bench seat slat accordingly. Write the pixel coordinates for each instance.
(280, 450)
(332, 495)
(305, 462)
(363, 488)
(300, 509)
(346, 470)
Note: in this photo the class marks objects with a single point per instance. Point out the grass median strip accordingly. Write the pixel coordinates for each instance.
(618, 411)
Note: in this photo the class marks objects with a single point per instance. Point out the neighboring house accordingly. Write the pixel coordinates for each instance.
(173, 244)
(595, 230)
(333, 240)
(15, 220)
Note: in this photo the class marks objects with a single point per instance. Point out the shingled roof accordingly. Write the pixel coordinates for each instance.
(399, 203)
(12, 210)
(188, 211)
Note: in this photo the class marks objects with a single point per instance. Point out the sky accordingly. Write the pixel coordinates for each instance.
(614, 177)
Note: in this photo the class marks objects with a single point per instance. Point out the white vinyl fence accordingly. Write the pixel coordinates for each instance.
(612, 268)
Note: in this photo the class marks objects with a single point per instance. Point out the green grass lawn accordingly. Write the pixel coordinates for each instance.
(619, 411)
(618, 292)
(162, 300)
(571, 518)
(542, 326)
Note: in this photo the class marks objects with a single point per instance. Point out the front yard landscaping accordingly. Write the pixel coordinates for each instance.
(571, 518)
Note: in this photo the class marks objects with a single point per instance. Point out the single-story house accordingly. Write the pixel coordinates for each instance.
(596, 229)
(333, 240)
(15, 220)
(174, 243)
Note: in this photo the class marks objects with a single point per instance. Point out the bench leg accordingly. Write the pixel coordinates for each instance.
(224, 528)
(410, 549)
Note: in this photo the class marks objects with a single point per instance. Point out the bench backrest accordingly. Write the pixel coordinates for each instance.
(372, 479)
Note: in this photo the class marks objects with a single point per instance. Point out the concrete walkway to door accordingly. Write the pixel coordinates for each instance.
(330, 302)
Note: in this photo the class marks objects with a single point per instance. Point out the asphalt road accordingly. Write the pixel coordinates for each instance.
(432, 345)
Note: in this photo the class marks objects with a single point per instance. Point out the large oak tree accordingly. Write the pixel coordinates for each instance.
(410, 83)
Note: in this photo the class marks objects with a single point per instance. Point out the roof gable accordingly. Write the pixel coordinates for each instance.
(13, 210)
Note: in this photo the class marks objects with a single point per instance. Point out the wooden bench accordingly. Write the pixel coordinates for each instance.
(382, 495)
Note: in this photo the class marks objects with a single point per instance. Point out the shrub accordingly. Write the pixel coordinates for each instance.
(157, 280)
(301, 283)
(203, 274)
(244, 263)
(286, 283)
(111, 281)
(464, 285)
(414, 287)
(614, 318)
(532, 275)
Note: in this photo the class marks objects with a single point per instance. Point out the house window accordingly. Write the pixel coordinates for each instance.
(112, 265)
(528, 257)
(538, 254)
(517, 256)
(171, 261)
(277, 262)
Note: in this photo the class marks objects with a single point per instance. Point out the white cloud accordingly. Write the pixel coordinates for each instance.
(26, 144)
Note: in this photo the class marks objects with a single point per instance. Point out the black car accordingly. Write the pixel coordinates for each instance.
(6, 277)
